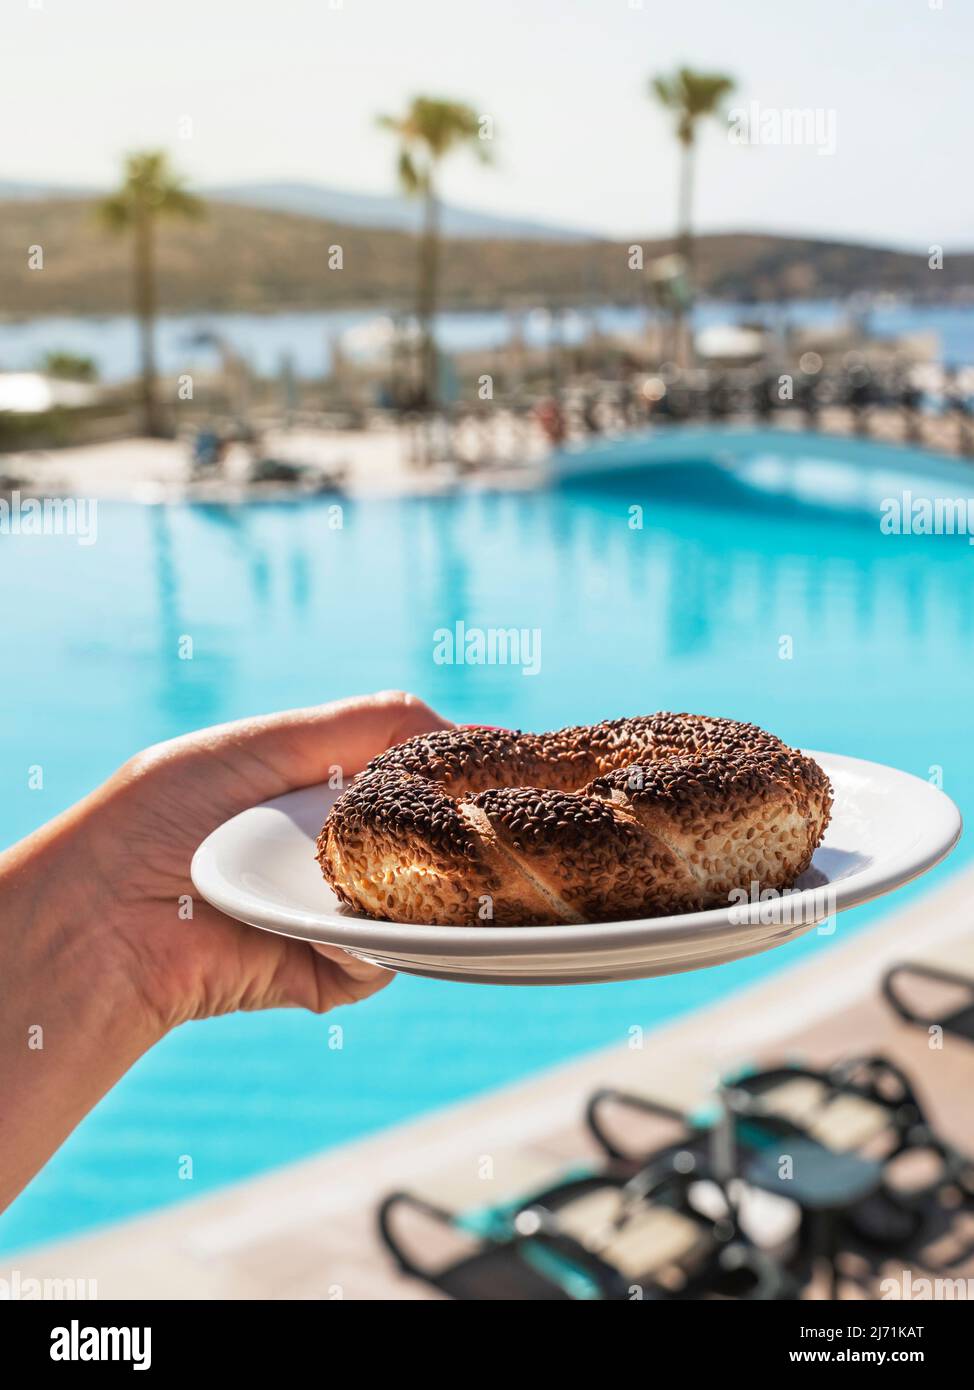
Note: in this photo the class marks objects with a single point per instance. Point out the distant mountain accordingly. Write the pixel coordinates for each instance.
(256, 259)
(393, 212)
(15, 191)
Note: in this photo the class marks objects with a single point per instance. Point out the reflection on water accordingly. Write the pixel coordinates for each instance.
(694, 611)
(805, 618)
(809, 619)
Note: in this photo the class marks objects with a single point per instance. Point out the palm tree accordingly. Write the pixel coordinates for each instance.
(691, 96)
(150, 189)
(428, 130)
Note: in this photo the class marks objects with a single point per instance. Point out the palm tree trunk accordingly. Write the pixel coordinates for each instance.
(145, 309)
(686, 204)
(427, 298)
(681, 333)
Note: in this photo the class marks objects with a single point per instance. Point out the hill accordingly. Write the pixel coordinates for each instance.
(257, 259)
(351, 209)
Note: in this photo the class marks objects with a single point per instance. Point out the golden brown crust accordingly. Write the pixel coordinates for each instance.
(632, 817)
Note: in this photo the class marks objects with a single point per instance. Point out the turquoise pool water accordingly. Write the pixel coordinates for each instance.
(688, 612)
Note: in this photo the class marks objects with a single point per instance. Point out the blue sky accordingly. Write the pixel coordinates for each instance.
(289, 89)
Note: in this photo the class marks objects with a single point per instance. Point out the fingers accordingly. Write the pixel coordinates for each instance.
(349, 977)
(284, 974)
(303, 746)
(297, 748)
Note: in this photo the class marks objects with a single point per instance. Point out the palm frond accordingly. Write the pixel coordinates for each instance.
(691, 96)
(149, 186)
(114, 212)
(429, 129)
(663, 90)
(177, 202)
(410, 178)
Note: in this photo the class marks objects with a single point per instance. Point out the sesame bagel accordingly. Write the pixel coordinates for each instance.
(631, 818)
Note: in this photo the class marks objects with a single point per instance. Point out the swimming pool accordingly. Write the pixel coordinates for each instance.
(688, 611)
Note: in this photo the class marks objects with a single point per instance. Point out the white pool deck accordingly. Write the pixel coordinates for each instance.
(307, 1231)
(372, 462)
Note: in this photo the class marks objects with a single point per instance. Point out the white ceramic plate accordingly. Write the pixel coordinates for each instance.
(887, 828)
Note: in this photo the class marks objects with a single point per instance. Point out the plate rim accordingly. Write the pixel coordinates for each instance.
(381, 935)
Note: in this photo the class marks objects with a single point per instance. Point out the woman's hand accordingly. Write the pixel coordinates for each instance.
(98, 958)
(165, 801)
